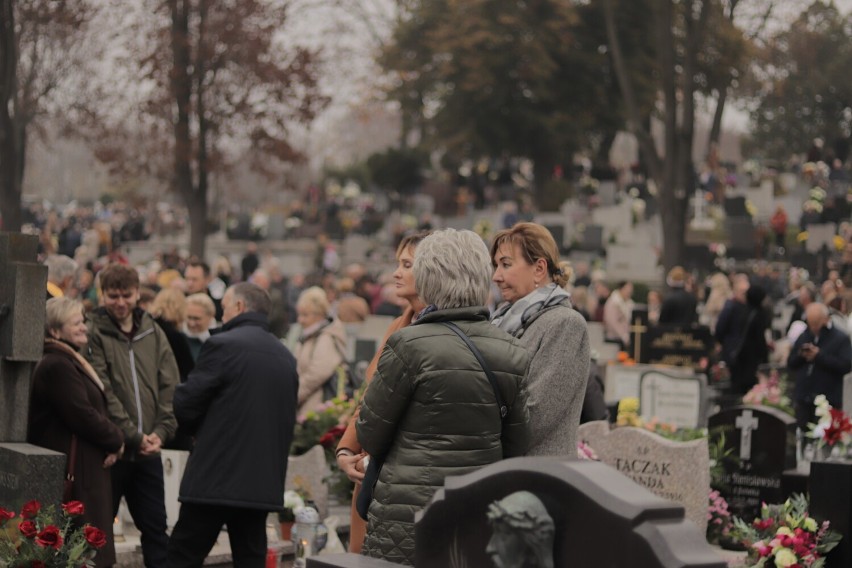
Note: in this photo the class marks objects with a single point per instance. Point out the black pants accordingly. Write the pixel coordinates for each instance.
(141, 484)
(198, 526)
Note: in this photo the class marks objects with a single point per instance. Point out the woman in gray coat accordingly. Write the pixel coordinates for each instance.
(431, 411)
(538, 311)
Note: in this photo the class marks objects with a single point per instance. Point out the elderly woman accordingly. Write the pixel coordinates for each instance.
(321, 346)
(538, 312)
(431, 410)
(350, 454)
(68, 414)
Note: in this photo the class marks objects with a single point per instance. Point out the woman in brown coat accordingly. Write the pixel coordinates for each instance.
(350, 454)
(68, 401)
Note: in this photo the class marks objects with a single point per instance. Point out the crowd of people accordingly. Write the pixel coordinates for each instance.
(488, 357)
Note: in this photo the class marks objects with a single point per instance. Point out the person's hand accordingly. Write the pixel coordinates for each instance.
(809, 352)
(349, 466)
(151, 444)
(110, 460)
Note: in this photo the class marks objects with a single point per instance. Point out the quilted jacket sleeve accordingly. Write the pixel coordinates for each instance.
(384, 403)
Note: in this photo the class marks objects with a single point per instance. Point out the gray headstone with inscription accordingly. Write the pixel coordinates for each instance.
(763, 445)
(677, 400)
(26, 471)
(678, 471)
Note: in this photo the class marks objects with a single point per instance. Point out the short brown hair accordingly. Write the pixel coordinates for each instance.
(411, 240)
(535, 242)
(115, 276)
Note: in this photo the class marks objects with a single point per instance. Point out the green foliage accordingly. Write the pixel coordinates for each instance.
(397, 169)
(805, 84)
(719, 456)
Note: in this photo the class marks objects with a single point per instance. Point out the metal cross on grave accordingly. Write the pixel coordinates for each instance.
(637, 329)
(747, 423)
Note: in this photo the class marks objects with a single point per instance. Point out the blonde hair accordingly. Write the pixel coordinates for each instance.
(535, 242)
(169, 304)
(203, 300)
(58, 311)
(316, 300)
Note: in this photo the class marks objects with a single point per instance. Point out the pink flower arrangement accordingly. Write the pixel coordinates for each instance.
(769, 392)
(786, 536)
(719, 519)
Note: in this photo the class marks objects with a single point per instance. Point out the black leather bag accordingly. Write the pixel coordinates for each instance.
(371, 477)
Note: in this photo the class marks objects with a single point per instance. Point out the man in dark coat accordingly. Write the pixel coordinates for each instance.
(679, 304)
(240, 404)
(820, 357)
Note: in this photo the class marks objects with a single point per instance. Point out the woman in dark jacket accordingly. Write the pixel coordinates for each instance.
(431, 411)
(68, 402)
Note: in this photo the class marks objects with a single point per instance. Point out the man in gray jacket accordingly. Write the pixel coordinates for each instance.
(132, 356)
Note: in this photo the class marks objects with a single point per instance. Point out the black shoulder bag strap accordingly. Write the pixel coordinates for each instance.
(504, 411)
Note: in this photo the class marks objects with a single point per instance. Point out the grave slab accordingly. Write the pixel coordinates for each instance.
(29, 472)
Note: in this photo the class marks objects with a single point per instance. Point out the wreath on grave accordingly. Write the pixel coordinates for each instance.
(44, 541)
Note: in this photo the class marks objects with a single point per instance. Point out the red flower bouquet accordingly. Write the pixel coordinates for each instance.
(44, 541)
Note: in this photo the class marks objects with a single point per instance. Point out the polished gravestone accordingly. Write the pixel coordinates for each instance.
(527, 511)
(26, 471)
(831, 500)
(763, 445)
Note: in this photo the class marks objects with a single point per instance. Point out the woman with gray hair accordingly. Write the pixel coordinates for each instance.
(432, 410)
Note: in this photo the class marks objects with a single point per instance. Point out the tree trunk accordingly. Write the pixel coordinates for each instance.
(197, 205)
(181, 85)
(716, 128)
(10, 156)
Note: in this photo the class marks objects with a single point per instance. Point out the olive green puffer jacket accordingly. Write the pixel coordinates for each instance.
(431, 413)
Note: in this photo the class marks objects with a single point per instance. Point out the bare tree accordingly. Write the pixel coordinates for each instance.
(221, 85)
(40, 50)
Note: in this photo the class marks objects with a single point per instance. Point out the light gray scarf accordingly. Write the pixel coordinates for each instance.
(512, 318)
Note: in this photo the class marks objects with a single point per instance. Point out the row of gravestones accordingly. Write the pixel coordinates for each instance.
(655, 520)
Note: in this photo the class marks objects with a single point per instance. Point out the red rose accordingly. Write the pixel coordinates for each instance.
(50, 537)
(28, 529)
(37, 564)
(5, 516)
(30, 509)
(73, 508)
(94, 536)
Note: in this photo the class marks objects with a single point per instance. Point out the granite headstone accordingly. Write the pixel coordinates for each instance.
(763, 442)
(831, 500)
(678, 471)
(305, 473)
(591, 506)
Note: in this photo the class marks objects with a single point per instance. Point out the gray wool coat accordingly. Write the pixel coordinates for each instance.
(558, 341)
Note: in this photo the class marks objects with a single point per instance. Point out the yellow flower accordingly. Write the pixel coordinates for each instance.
(785, 558)
(802, 237)
(783, 531)
(810, 525)
(629, 404)
(839, 242)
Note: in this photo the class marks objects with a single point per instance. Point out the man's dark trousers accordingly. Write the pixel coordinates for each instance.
(141, 484)
(198, 526)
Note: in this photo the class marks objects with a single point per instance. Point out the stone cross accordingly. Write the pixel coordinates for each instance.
(26, 471)
(638, 330)
(23, 285)
(746, 422)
